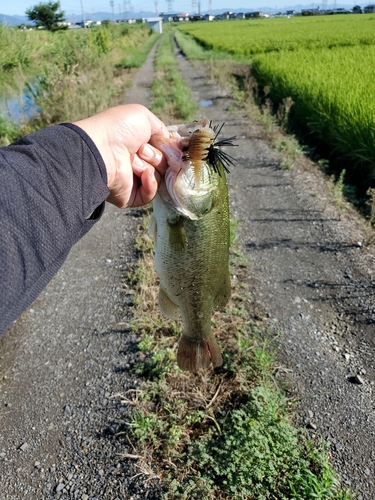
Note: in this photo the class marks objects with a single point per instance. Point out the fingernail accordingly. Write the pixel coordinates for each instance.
(148, 152)
(138, 162)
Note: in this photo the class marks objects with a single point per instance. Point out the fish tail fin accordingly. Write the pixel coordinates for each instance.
(194, 354)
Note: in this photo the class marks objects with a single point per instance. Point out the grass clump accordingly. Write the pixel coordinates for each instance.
(136, 57)
(170, 94)
(225, 433)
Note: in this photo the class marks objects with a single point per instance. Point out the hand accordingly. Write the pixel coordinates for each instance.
(134, 167)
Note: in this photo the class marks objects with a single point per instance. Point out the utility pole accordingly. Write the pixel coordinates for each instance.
(112, 3)
(170, 5)
(156, 7)
(83, 15)
(127, 8)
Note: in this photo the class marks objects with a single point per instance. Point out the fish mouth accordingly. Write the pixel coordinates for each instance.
(191, 144)
(195, 164)
(182, 146)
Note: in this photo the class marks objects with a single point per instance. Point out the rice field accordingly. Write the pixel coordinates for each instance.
(249, 37)
(326, 65)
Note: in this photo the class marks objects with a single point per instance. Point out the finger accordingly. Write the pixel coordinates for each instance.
(146, 187)
(157, 126)
(138, 165)
(154, 157)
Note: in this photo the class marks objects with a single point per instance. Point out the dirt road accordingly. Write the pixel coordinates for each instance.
(69, 354)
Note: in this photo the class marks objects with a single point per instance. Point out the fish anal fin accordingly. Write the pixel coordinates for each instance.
(167, 307)
(224, 294)
(195, 354)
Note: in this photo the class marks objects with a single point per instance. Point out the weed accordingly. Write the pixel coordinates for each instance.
(67, 75)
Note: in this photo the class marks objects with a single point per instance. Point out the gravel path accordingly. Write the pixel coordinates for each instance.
(63, 362)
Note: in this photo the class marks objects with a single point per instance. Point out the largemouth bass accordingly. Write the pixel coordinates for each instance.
(190, 227)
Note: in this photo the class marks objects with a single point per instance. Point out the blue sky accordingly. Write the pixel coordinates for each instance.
(18, 7)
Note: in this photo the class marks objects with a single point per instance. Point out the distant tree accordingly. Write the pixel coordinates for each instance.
(48, 15)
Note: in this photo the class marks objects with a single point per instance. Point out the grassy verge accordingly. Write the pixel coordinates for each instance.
(171, 97)
(68, 75)
(136, 57)
(223, 434)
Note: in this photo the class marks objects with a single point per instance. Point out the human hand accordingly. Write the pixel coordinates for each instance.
(134, 167)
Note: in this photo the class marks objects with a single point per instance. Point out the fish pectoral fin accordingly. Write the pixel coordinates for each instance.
(153, 228)
(224, 294)
(167, 307)
(177, 235)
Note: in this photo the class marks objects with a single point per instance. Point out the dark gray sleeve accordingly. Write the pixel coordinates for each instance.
(53, 185)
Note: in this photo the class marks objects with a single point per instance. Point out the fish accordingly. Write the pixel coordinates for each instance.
(190, 229)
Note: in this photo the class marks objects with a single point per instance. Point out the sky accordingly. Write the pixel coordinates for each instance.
(18, 7)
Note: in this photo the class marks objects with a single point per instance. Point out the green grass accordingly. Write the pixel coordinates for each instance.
(136, 57)
(75, 71)
(219, 434)
(171, 97)
(188, 45)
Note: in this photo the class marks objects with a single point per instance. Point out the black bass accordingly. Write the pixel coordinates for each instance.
(190, 227)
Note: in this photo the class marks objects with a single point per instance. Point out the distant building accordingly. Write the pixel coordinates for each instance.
(357, 9)
(208, 17)
(341, 11)
(369, 9)
(155, 23)
(310, 12)
(181, 17)
(253, 14)
(196, 17)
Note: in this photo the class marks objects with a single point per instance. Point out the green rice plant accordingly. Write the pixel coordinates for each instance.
(249, 37)
(195, 51)
(336, 112)
(320, 71)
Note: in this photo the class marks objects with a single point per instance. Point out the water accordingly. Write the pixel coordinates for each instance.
(23, 108)
(206, 103)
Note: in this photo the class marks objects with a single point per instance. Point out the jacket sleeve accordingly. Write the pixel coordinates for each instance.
(53, 184)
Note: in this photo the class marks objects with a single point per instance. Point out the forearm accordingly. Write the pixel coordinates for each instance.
(52, 187)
